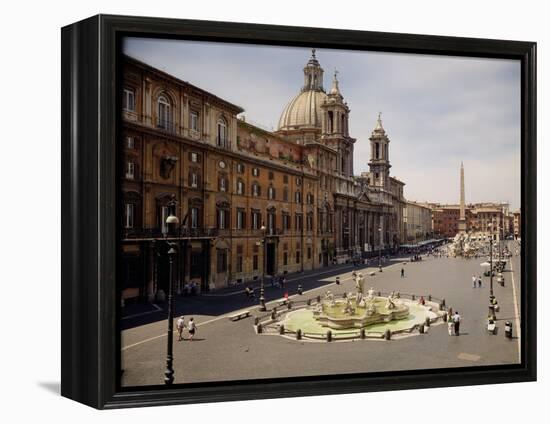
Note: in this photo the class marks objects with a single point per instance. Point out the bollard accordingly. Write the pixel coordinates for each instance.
(427, 322)
(379, 294)
(445, 317)
(259, 328)
(421, 329)
(443, 302)
(338, 280)
(508, 329)
(289, 305)
(413, 297)
(298, 334)
(345, 295)
(281, 329)
(318, 299)
(308, 302)
(299, 289)
(329, 336)
(273, 314)
(387, 334)
(362, 333)
(256, 321)
(429, 298)
(398, 295)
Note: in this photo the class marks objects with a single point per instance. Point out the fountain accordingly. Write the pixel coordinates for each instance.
(357, 315)
(358, 311)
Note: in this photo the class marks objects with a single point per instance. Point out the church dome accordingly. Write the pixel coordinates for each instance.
(303, 111)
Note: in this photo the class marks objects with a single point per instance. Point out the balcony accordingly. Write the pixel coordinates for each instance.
(222, 142)
(167, 126)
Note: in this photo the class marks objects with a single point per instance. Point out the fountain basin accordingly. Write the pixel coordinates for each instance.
(333, 315)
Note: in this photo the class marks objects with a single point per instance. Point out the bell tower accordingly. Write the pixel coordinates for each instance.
(334, 128)
(380, 156)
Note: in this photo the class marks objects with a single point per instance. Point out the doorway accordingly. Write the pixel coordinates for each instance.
(270, 259)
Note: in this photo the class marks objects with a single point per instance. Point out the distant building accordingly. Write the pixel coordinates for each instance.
(516, 224)
(418, 222)
(478, 216)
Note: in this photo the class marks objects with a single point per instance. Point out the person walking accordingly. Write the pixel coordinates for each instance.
(402, 272)
(450, 326)
(180, 325)
(474, 280)
(192, 328)
(456, 321)
(479, 281)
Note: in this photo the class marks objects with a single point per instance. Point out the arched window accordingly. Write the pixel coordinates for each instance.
(163, 113)
(222, 133)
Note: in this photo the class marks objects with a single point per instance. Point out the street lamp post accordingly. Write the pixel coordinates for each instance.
(380, 248)
(491, 258)
(262, 293)
(171, 220)
(169, 373)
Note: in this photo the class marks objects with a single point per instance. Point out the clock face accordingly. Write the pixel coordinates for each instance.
(221, 164)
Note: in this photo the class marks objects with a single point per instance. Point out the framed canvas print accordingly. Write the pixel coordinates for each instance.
(255, 211)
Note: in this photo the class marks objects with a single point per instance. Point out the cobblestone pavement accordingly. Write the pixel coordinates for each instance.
(226, 350)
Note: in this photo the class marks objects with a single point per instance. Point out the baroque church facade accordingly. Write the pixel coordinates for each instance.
(257, 202)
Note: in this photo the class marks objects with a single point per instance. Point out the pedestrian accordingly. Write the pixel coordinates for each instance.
(192, 328)
(479, 281)
(337, 280)
(474, 279)
(180, 325)
(402, 272)
(421, 301)
(450, 326)
(283, 282)
(456, 321)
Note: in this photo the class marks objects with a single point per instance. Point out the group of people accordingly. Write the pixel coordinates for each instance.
(191, 328)
(279, 282)
(476, 281)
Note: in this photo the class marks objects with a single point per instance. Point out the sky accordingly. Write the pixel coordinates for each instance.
(438, 111)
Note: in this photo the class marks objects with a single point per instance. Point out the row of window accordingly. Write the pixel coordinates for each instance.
(223, 220)
(164, 117)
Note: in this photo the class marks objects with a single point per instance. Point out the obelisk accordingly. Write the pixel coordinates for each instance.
(462, 219)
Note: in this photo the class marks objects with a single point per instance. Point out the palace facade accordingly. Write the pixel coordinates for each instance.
(250, 201)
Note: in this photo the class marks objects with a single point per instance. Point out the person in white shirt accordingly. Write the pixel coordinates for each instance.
(180, 326)
(456, 320)
(191, 327)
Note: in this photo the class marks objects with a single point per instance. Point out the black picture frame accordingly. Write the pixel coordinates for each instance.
(90, 339)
